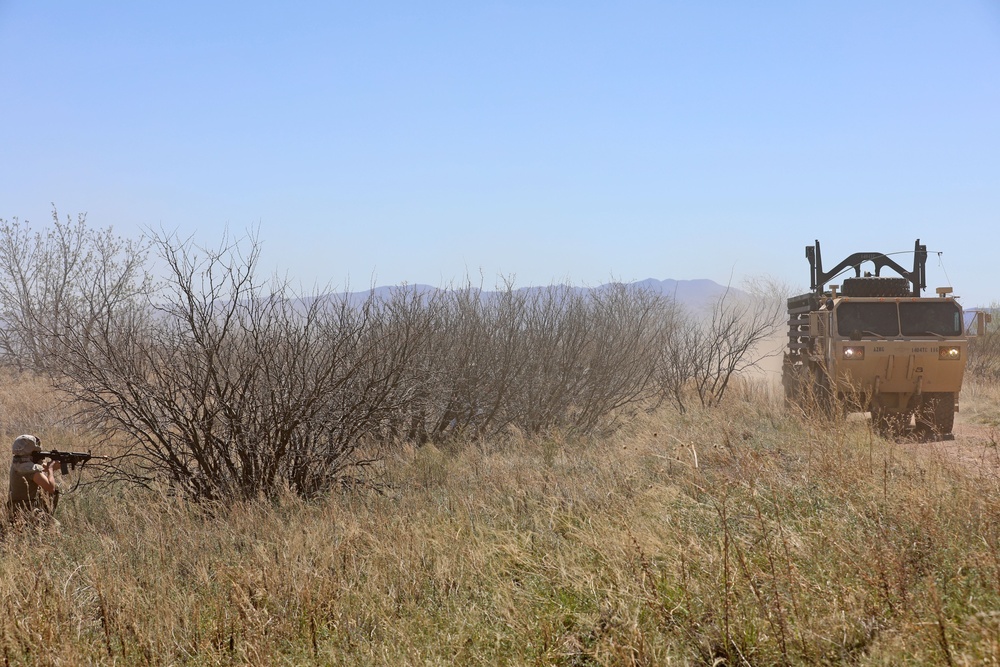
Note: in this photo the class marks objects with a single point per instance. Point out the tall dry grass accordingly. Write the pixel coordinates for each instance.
(730, 536)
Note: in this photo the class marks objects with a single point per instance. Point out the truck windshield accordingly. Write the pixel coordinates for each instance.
(921, 318)
(941, 318)
(867, 319)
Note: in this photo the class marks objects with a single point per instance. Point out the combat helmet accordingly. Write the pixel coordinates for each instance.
(26, 445)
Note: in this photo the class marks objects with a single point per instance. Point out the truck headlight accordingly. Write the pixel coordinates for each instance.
(950, 353)
(856, 352)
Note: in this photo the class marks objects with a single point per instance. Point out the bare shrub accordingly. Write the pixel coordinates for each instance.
(626, 325)
(536, 359)
(460, 377)
(226, 387)
(67, 277)
(703, 354)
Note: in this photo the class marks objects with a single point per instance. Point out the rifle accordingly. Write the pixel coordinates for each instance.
(66, 460)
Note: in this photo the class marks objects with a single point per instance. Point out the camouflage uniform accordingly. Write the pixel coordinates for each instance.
(24, 498)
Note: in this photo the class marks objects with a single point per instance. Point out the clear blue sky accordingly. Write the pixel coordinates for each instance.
(546, 140)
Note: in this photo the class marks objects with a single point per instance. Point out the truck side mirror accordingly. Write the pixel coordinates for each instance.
(816, 324)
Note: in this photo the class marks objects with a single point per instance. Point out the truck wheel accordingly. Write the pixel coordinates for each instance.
(889, 424)
(791, 385)
(825, 399)
(881, 423)
(800, 390)
(937, 413)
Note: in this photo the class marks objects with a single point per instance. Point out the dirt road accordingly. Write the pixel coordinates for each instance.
(974, 444)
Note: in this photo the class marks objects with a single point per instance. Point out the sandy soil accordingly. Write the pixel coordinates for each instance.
(972, 444)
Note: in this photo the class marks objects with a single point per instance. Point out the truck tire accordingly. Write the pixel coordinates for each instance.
(823, 393)
(791, 381)
(875, 286)
(937, 413)
(889, 423)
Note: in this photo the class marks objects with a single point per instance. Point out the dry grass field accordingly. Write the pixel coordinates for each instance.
(734, 536)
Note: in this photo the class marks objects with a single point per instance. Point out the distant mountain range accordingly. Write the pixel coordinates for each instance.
(688, 293)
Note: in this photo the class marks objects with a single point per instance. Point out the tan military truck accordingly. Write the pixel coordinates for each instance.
(875, 344)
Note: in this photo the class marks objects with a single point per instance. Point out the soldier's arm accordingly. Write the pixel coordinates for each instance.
(47, 478)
